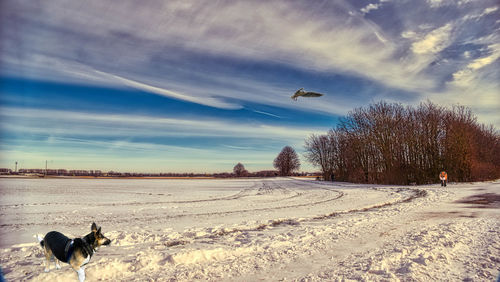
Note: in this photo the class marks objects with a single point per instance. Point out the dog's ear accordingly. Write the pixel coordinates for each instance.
(94, 227)
(98, 231)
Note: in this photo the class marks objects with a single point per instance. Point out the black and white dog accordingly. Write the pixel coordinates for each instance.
(77, 252)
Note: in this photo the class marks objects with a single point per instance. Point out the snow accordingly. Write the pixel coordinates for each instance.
(270, 229)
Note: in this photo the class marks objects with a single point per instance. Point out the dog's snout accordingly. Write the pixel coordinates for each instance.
(107, 242)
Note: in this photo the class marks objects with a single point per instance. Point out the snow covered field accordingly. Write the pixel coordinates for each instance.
(255, 229)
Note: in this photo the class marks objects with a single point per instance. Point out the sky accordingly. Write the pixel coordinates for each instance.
(198, 86)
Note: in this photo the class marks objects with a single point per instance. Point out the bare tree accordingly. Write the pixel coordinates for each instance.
(321, 151)
(392, 144)
(239, 170)
(287, 161)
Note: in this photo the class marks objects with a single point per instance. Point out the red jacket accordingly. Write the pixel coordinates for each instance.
(443, 175)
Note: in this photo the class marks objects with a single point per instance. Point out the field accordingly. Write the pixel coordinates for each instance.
(271, 229)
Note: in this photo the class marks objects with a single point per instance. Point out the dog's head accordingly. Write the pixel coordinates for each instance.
(99, 238)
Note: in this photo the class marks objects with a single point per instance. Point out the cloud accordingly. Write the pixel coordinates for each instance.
(67, 123)
(266, 113)
(208, 101)
(129, 156)
(489, 10)
(465, 76)
(140, 142)
(238, 147)
(478, 16)
(442, 3)
(475, 85)
(255, 31)
(369, 7)
(434, 42)
(437, 3)
(162, 47)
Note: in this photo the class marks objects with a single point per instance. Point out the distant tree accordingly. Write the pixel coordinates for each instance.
(287, 161)
(239, 170)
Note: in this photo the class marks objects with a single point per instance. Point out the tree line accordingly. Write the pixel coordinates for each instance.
(389, 143)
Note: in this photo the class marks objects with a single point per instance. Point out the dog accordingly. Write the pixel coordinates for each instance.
(76, 252)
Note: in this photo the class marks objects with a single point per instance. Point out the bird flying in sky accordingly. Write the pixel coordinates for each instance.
(303, 93)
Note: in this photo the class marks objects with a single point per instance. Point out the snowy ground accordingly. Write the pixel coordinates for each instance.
(255, 229)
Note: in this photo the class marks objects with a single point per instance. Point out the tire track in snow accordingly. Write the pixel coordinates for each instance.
(416, 193)
(264, 186)
(241, 194)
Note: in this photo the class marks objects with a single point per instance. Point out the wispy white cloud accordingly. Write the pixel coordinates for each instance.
(476, 85)
(467, 75)
(477, 16)
(442, 3)
(369, 7)
(119, 125)
(266, 113)
(237, 29)
(434, 42)
(239, 147)
(406, 51)
(438, 3)
(209, 101)
(141, 143)
(136, 157)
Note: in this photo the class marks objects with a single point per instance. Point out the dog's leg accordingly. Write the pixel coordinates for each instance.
(81, 274)
(58, 265)
(48, 255)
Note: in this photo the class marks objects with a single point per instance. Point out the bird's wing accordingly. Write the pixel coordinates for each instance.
(312, 94)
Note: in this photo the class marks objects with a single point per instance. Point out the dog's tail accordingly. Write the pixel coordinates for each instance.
(40, 239)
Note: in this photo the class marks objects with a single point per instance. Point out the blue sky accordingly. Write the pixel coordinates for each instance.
(197, 86)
